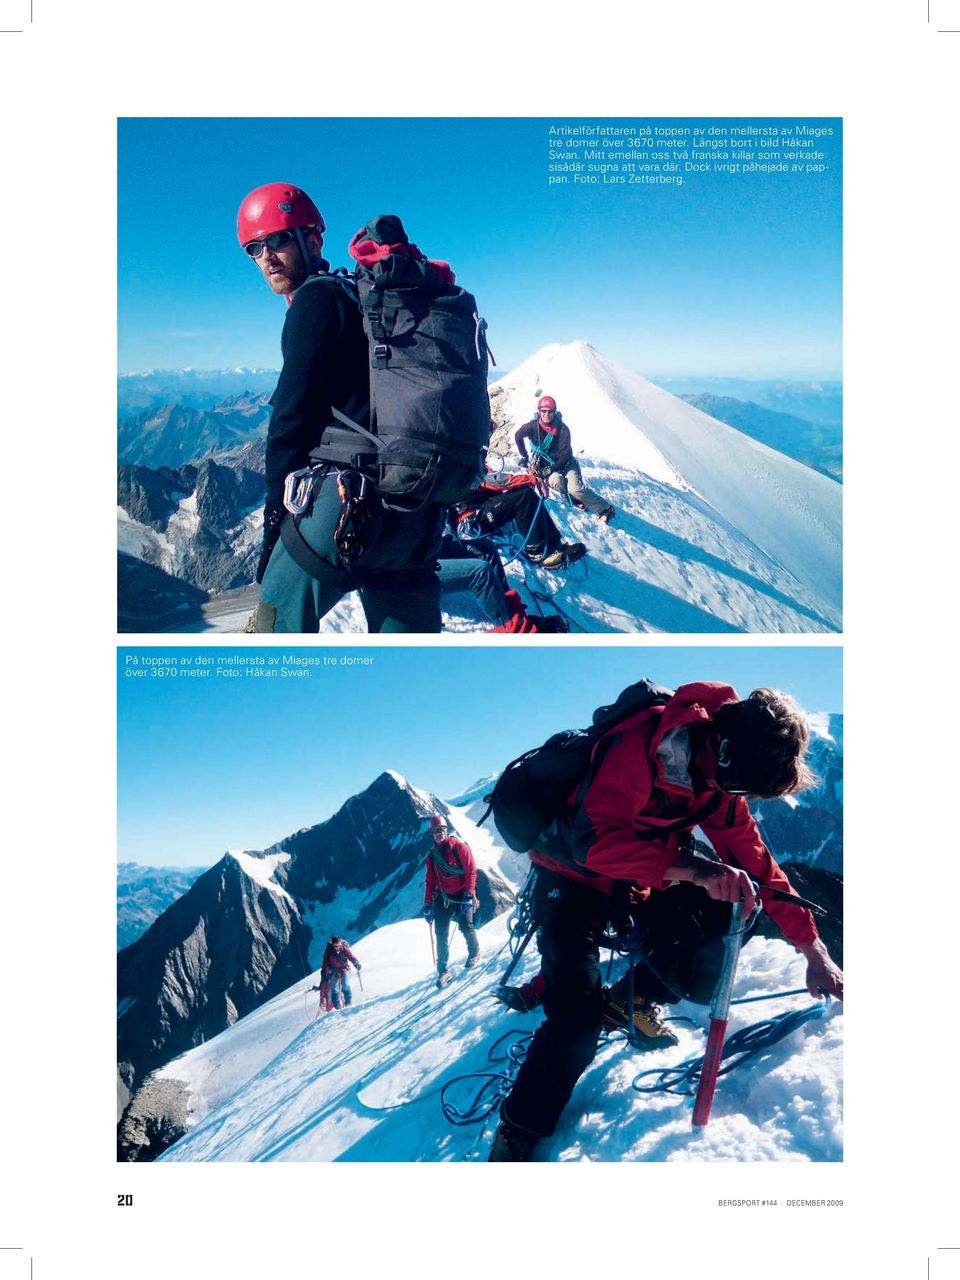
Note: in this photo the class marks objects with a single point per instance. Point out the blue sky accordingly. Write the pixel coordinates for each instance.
(210, 764)
(726, 275)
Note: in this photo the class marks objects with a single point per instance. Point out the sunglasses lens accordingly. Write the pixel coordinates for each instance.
(276, 240)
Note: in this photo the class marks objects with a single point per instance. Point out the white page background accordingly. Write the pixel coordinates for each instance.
(63, 82)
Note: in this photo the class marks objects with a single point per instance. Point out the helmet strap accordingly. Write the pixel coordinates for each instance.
(310, 264)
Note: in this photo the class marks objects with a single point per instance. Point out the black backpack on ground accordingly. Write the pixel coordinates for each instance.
(533, 802)
(430, 412)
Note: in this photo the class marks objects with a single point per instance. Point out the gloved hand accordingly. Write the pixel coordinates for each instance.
(358, 966)
(428, 911)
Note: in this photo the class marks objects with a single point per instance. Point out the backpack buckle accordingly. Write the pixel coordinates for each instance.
(381, 355)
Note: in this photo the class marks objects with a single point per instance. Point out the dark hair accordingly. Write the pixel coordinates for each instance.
(335, 939)
(768, 736)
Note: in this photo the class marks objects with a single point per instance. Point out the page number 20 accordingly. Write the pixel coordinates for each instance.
(124, 1198)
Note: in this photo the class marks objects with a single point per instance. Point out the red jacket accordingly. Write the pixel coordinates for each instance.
(335, 961)
(637, 789)
(450, 869)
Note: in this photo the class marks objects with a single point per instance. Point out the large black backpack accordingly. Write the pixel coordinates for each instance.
(537, 801)
(430, 412)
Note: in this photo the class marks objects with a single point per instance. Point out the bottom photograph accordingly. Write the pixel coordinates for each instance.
(532, 904)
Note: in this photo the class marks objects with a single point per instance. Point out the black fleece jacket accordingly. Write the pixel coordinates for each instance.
(325, 363)
(560, 451)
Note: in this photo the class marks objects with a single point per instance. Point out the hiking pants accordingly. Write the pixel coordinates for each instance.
(570, 484)
(396, 576)
(571, 917)
(476, 578)
(340, 994)
(445, 910)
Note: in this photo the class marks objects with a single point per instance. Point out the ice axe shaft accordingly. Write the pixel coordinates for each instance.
(433, 945)
(719, 1015)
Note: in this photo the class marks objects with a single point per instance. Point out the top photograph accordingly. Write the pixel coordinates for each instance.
(512, 376)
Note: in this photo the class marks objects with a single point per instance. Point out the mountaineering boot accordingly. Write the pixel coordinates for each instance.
(648, 1031)
(471, 961)
(564, 555)
(444, 978)
(512, 1144)
(607, 514)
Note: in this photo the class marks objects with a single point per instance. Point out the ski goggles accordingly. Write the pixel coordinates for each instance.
(275, 240)
(547, 413)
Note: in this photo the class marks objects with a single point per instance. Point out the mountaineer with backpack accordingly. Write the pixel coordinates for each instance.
(337, 957)
(548, 438)
(380, 418)
(607, 813)
(450, 894)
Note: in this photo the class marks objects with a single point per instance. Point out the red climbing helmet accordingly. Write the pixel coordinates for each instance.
(276, 207)
(547, 402)
(438, 822)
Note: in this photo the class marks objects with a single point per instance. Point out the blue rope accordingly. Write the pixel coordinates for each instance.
(738, 1048)
(495, 1087)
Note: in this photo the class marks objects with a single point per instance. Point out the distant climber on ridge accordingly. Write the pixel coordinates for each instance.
(548, 438)
(450, 894)
(337, 956)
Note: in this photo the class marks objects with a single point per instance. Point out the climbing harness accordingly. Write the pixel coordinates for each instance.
(522, 926)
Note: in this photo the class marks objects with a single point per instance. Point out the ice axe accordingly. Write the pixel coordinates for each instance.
(720, 1013)
(359, 979)
(433, 945)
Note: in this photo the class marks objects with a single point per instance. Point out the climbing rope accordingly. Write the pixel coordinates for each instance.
(738, 1049)
(495, 1085)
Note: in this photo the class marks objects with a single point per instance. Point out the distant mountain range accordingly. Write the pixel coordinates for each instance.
(818, 402)
(139, 393)
(172, 434)
(820, 447)
(143, 893)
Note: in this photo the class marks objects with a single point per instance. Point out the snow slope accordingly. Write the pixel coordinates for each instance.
(640, 442)
(363, 1084)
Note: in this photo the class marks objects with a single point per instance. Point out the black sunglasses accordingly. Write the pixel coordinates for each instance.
(276, 240)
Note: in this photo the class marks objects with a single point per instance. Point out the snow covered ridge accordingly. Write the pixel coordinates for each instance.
(788, 512)
(363, 1084)
(714, 531)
